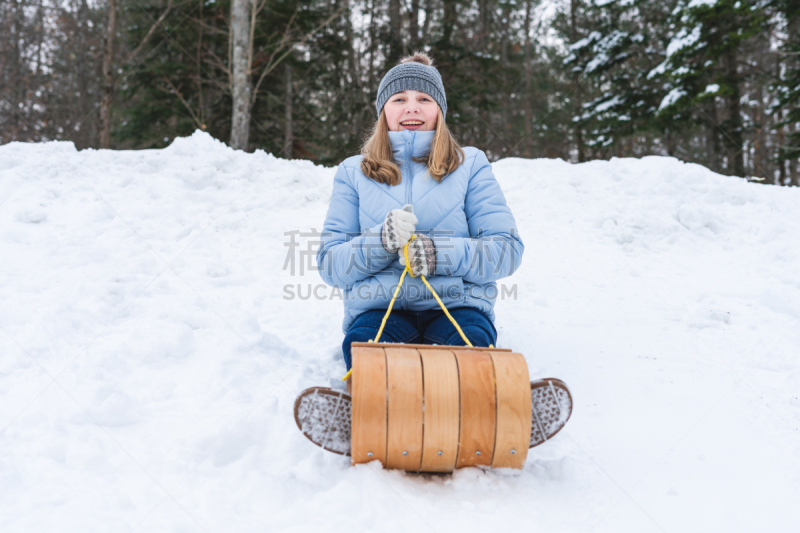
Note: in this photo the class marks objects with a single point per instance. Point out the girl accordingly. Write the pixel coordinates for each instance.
(465, 235)
(412, 178)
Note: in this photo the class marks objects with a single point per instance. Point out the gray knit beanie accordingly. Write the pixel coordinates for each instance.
(415, 77)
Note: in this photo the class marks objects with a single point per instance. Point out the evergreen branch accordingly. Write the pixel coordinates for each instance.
(185, 103)
(150, 32)
(250, 56)
(272, 65)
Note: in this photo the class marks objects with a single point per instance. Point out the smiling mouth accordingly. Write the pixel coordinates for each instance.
(412, 123)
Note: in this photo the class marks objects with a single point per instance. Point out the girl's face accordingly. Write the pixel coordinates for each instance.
(411, 110)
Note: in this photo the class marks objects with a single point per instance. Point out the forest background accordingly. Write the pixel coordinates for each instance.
(715, 82)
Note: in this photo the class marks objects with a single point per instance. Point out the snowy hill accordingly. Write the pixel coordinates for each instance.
(151, 286)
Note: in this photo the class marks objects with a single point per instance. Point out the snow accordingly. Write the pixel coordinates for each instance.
(150, 285)
(661, 68)
(681, 40)
(586, 41)
(684, 39)
(673, 96)
(601, 47)
(711, 89)
(608, 104)
(698, 3)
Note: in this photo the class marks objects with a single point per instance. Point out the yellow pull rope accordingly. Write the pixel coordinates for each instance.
(389, 310)
(453, 320)
(394, 297)
(408, 269)
(391, 303)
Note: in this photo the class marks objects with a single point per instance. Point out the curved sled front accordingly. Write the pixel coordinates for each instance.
(429, 408)
(368, 430)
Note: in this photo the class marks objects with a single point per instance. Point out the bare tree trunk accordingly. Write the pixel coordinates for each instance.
(413, 25)
(509, 109)
(775, 151)
(40, 29)
(760, 138)
(505, 24)
(38, 110)
(793, 178)
(240, 81)
(578, 96)
(287, 119)
(428, 14)
(484, 27)
(483, 24)
(6, 40)
(108, 75)
(781, 142)
(396, 45)
(373, 44)
(354, 65)
(736, 141)
(354, 57)
(448, 22)
(669, 137)
(84, 138)
(712, 137)
(13, 66)
(528, 80)
(201, 111)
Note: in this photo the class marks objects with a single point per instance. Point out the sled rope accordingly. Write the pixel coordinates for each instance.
(394, 297)
(397, 290)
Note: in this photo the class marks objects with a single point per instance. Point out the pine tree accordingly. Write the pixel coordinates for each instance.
(623, 43)
(702, 65)
(787, 87)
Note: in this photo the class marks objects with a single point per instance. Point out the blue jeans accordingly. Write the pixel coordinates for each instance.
(421, 327)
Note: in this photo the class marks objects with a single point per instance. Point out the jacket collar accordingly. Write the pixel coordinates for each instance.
(418, 141)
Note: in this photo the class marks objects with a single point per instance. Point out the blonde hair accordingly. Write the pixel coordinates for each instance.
(378, 162)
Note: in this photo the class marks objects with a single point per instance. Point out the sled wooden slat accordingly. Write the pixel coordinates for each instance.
(404, 441)
(478, 408)
(442, 410)
(471, 404)
(513, 410)
(368, 437)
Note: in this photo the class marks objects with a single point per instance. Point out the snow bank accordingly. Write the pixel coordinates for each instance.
(151, 285)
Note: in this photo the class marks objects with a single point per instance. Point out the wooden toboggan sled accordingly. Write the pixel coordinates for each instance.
(430, 408)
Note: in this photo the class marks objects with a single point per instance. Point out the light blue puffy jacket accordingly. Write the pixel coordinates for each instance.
(465, 214)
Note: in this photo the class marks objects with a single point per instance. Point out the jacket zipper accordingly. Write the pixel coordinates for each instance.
(409, 150)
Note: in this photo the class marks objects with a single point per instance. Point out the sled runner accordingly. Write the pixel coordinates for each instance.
(431, 408)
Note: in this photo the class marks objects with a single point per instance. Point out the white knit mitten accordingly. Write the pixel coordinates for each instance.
(421, 255)
(398, 227)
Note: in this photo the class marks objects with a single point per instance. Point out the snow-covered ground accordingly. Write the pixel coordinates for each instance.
(150, 351)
